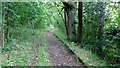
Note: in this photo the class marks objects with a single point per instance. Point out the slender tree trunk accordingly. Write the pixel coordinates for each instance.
(101, 30)
(65, 20)
(8, 25)
(119, 12)
(1, 32)
(79, 37)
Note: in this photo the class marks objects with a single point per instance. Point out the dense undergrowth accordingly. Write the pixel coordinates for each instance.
(109, 46)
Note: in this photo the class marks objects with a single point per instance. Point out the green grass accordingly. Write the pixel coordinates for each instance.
(43, 59)
(19, 57)
(22, 47)
(89, 58)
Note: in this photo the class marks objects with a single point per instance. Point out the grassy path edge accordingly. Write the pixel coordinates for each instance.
(94, 62)
(71, 51)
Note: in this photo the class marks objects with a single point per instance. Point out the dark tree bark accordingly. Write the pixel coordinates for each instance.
(79, 37)
(70, 11)
(65, 20)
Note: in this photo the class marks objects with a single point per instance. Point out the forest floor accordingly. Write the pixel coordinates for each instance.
(35, 54)
(47, 51)
(59, 56)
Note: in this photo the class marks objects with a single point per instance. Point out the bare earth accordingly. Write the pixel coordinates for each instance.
(59, 55)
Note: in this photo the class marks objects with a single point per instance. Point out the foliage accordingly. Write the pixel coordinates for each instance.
(103, 15)
(101, 30)
(85, 55)
(24, 22)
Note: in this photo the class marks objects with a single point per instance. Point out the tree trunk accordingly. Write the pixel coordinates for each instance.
(79, 37)
(1, 32)
(65, 20)
(8, 25)
(101, 30)
(70, 10)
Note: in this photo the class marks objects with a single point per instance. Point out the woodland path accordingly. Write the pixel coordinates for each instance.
(59, 55)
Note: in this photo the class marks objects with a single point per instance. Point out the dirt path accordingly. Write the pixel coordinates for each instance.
(59, 55)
